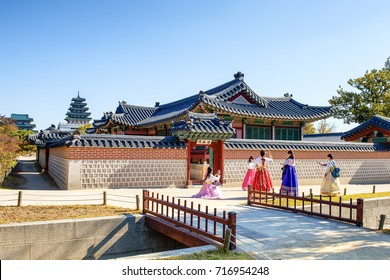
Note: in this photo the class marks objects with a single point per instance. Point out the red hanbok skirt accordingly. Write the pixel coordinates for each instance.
(262, 180)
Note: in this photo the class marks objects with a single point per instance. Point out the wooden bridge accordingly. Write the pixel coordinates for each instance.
(188, 225)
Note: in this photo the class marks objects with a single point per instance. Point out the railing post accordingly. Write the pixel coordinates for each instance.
(373, 189)
(345, 191)
(145, 206)
(359, 212)
(228, 236)
(104, 198)
(20, 198)
(137, 201)
(382, 221)
(232, 224)
(249, 194)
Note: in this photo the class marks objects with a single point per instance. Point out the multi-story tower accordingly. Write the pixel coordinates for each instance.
(23, 121)
(77, 112)
(76, 116)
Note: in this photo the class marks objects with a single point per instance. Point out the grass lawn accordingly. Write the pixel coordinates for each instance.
(219, 254)
(14, 214)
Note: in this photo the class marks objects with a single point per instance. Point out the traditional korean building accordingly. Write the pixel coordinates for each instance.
(76, 116)
(374, 130)
(173, 144)
(23, 121)
(252, 116)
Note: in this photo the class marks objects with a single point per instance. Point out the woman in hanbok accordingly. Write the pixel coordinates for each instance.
(289, 178)
(250, 174)
(262, 180)
(330, 186)
(209, 190)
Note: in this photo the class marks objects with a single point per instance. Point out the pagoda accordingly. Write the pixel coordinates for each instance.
(77, 115)
(77, 112)
(23, 121)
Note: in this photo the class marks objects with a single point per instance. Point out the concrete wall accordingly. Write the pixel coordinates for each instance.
(93, 238)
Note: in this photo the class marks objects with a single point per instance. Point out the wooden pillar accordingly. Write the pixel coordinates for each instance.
(359, 212)
(189, 147)
(221, 157)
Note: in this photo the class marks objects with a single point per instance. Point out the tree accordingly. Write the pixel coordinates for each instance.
(372, 97)
(309, 128)
(324, 127)
(25, 145)
(84, 127)
(9, 146)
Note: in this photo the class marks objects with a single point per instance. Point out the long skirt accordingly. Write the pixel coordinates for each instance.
(248, 179)
(330, 186)
(262, 180)
(209, 191)
(289, 181)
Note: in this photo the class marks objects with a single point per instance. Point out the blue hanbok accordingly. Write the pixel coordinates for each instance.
(290, 178)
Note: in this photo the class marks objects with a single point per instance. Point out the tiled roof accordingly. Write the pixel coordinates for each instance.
(375, 121)
(202, 126)
(121, 141)
(45, 137)
(21, 117)
(246, 144)
(324, 137)
(218, 99)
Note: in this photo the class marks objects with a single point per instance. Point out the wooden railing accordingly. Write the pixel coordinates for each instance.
(187, 224)
(322, 206)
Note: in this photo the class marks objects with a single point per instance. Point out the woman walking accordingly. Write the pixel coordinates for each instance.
(262, 179)
(250, 174)
(330, 185)
(289, 178)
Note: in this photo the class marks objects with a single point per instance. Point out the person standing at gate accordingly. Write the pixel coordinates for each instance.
(262, 180)
(250, 174)
(209, 190)
(330, 185)
(289, 177)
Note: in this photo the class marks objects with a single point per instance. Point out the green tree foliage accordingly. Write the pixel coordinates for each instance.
(25, 145)
(372, 97)
(9, 146)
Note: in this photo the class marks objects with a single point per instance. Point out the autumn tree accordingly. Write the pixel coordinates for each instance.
(9, 146)
(372, 97)
(309, 128)
(325, 127)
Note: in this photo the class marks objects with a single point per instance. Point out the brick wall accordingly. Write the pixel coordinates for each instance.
(356, 167)
(98, 167)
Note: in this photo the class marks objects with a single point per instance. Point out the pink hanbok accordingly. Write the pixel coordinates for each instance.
(209, 190)
(249, 176)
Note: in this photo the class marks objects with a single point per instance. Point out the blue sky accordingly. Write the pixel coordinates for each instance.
(148, 51)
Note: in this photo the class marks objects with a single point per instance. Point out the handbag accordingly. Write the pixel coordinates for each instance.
(336, 172)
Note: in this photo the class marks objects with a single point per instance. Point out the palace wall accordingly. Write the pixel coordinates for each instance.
(356, 167)
(125, 167)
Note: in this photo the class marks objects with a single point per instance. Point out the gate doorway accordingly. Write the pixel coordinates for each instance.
(202, 157)
(203, 154)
